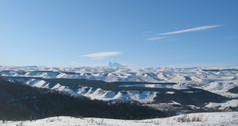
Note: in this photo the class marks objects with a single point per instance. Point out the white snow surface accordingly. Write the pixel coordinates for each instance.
(222, 106)
(195, 119)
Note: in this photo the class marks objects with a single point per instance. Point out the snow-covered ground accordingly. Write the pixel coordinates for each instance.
(195, 119)
(222, 106)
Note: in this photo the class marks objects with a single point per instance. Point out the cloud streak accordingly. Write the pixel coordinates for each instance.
(191, 30)
(156, 38)
(102, 55)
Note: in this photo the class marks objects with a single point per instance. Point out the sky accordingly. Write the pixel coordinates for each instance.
(139, 33)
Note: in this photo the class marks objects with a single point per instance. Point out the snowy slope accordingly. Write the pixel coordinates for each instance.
(94, 93)
(195, 119)
(222, 106)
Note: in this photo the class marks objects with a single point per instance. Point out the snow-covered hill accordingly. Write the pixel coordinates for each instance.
(151, 81)
(195, 119)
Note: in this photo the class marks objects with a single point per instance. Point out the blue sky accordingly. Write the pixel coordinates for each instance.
(140, 33)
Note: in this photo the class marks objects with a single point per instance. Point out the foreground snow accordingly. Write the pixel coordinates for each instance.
(196, 119)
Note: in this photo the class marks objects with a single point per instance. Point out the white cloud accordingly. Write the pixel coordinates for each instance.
(101, 55)
(156, 38)
(191, 30)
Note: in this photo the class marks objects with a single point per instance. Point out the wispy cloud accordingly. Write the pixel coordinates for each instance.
(191, 30)
(102, 55)
(156, 38)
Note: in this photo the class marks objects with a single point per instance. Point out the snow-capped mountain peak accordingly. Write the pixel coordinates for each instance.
(115, 64)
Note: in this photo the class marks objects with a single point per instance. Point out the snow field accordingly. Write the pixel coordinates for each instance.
(195, 119)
